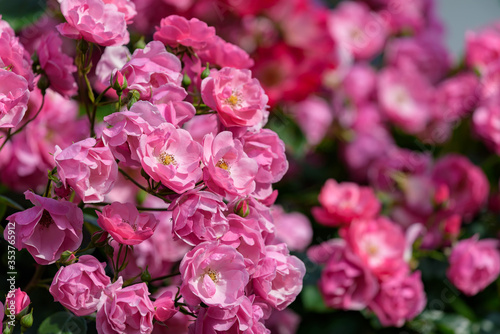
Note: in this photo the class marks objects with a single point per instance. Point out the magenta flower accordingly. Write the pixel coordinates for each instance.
(228, 170)
(17, 301)
(474, 264)
(88, 168)
(47, 229)
(95, 21)
(213, 274)
(175, 30)
(125, 224)
(79, 286)
(171, 156)
(14, 96)
(237, 97)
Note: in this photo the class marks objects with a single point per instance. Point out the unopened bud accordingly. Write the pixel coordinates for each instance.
(43, 83)
(186, 81)
(146, 276)
(133, 97)
(99, 238)
(67, 258)
(205, 73)
(118, 81)
(27, 320)
(242, 209)
(8, 330)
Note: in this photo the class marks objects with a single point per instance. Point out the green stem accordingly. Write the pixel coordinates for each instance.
(164, 277)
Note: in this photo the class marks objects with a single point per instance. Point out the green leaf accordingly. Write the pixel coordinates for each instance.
(21, 13)
(311, 297)
(7, 201)
(63, 323)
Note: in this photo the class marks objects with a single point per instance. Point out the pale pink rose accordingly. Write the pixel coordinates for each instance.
(95, 21)
(126, 7)
(380, 244)
(202, 125)
(198, 216)
(17, 301)
(151, 68)
(404, 98)
(224, 54)
(400, 299)
(175, 30)
(228, 170)
(268, 150)
(125, 310)
(237, 97)
(292, 228)
(58, 66)
(260, 212)
(165, 306)
(171, 156)
(113, 58)
(126, 127)
(169, 100)
(346, 282)
(467, 184)
(89, 168)
(314, 117)
(283, 322)
(47, 229)
(359, 83)
(13, 56)
(341, 203)
(486, 121)
(125, 224)
(474, 264)
(14, 96)
(278, 279)
(79, 286)
(482, 48)
(245, 236)
(357, 29)
(213, 274)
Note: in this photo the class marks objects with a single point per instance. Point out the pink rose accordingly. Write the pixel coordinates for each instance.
(292, 228)
(485, 120)
(400, 299)
(113, 58)
(151, 68)
(228, 170)
(380, 244)
(125, 310)
(175, 30)
(237, 97)
(125, 224)
(88, 168)
(14, 96)
(467, 184)
(278, 278)
(47, 229)
(224, 54)
(213, 274)
(58, 67)
(346, 282)
(78, 287)
(283, 322)
(314, 118)
(482, 49)
(171, 156)
(474, 264)
(95, 21)
(198, 216)
(268, 150)
(341, 203)
(359, 83)
(17, 301)
(165, 306)
(126, 7)
(169, 100)
(126, 127)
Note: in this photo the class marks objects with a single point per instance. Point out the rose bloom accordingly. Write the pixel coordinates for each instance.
(314, 118)
(95, 21)
(346, 282)
(292, 228)
(125, 224)
(278, 278)
(14, 96)
(151, 68)
(17, 301)
(380, 244)
(486, 119)
(198, 216)
(482, 48)
(165, 306)
(126, 127)
(283, 322)
(224, 54)
(47, 229)
(474, 264)
(78, 287)
(175, 30)
(125, 310)
(171, 156)
(228, 170)
(88, 168)
(400, 299)
(237, 97)
(113, 58)
(341, 203)
(58, 67)
(213, 274)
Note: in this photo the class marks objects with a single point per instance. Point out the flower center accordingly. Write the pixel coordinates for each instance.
(234, 100)
(46, 220)
(372, 249)
(222, 164)
(213, 275)
(167, 159)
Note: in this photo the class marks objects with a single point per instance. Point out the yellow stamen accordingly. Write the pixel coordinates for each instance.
(222, 164)
(213, 275)
(167, 159)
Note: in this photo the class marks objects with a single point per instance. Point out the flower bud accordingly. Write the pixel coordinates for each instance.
(441, 195)
(165, 306)
(205, 73)
(117, 81)
(242, 209)
(8, 330)
(186, 80)
(99, 238)
(133, 97)
(146, 276)
(27, 320)
(43, 83)
(67, 258)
